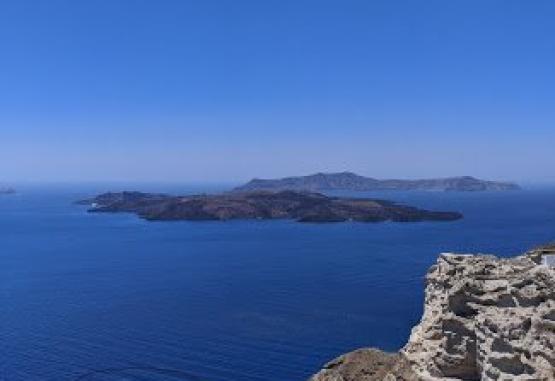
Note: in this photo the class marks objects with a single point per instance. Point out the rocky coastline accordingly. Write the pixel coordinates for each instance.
(485, 318)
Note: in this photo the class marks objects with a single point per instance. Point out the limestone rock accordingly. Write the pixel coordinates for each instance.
(485, 318)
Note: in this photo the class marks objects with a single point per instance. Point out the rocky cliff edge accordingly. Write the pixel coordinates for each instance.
(485, 318)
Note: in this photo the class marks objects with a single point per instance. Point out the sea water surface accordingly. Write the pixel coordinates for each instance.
(112, 297)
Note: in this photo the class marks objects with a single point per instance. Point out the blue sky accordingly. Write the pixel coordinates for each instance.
(232, 89)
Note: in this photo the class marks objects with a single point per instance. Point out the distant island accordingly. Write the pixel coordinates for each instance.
(353, 182)
(7, 190)
(295, 205)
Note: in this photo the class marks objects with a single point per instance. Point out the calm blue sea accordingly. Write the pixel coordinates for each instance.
(112, 297)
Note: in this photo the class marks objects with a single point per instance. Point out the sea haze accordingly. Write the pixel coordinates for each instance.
(113, 297)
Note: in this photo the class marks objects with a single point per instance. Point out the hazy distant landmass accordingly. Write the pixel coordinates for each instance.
(299, 206)
(353, 182)
(7, 190)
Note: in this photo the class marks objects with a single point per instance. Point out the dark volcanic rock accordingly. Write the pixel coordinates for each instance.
(300, 206)
(353, 182)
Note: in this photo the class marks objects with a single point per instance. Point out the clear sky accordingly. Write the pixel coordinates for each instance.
(227, 90)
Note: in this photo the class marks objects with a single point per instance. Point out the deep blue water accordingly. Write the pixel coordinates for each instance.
(87, 296)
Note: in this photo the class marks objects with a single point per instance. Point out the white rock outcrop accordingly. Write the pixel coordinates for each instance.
(485, 318)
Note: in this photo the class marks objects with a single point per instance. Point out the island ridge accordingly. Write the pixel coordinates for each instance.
(352, 182)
